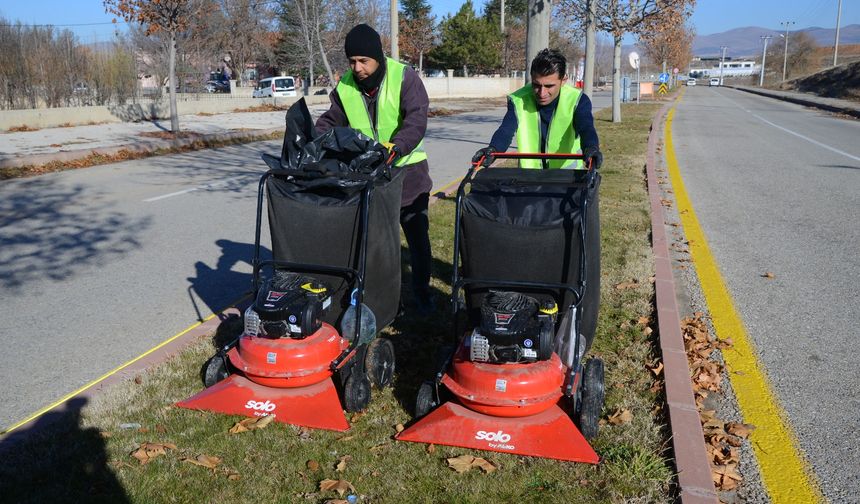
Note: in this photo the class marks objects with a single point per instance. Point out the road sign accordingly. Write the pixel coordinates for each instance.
(675, 70)
(634, 60)
(664, 78)
(663, 89)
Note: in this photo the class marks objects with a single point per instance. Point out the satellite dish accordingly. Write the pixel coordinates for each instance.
(634, 60)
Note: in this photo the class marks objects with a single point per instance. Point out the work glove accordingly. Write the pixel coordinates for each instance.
(592, 157)
(484, 156)
(386, 149)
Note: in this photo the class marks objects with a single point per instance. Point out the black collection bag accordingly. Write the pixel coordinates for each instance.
(525, 225)
(314, 208)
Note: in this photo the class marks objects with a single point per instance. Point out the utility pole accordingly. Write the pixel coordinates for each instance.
(836, 44)
(503, 17)
(785, 52)
(763, 59)
(588, 78)
(722, 62)
(395, 49)
(537, 30)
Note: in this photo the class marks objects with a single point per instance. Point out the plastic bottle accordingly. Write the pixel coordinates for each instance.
(368, 321)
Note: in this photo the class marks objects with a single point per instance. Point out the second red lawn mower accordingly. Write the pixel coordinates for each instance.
(336, 246)
(527, 258)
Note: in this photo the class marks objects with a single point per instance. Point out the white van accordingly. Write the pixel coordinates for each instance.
(275, 86)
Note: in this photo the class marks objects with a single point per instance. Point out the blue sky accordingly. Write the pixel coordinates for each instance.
(711, 16)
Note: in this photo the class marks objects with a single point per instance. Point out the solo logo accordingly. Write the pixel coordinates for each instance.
(267, 406)
(493, 436)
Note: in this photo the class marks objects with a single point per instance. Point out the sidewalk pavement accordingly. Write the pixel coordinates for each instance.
(66, 144)
(836, 105)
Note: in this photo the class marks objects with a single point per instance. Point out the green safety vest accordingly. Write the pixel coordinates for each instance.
(561, 136)
(388, 118)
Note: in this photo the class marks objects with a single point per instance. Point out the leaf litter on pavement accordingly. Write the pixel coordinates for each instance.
(722, 439)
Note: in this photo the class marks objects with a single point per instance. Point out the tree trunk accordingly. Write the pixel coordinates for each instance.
(616, 81)
(588, 78)
(325, 62)
(174, 115)
(421, 63)
(537, 30)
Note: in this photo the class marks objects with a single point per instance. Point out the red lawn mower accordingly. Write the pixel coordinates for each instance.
(515, 381)
(336, 250)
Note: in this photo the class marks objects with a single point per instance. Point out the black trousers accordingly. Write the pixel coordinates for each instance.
(416, 227)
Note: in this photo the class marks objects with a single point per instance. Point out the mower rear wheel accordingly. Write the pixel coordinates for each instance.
(426, 399)
(215, 370)
(379, 362)
(591, 402)
(356, 392)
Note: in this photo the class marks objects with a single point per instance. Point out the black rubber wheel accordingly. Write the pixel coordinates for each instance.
(591, 403)
(426, 399)
(379, 362)
(215, 370)
(356, 393)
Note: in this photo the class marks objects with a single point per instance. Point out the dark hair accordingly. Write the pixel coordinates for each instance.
(548, 62)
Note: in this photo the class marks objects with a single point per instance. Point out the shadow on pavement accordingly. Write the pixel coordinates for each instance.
(72, 467)
(51, 231)
(217, 288)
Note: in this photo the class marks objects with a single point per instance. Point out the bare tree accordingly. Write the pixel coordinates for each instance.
(171, 16)
(619, 17)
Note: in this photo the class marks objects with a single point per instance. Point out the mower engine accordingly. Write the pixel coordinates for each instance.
(514, 328)
(287, 305)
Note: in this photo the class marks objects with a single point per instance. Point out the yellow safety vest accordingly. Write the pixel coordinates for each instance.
(388, 118)
(561, 136)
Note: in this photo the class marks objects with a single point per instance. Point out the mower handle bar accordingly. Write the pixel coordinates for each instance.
(537, 155)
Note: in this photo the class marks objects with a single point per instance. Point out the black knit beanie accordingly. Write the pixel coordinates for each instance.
(364, 41)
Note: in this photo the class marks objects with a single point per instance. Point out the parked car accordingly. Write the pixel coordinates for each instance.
(691, 82)
(218, 86)
(435, 73)
(715, 81)
(275, 87)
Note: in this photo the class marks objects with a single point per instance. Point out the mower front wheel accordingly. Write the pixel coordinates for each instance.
(356, 392)
(379, 362)
(591, 402)
(426, 399)
(215, 370)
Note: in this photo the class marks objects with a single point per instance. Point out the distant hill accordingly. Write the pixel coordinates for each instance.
(745, 41)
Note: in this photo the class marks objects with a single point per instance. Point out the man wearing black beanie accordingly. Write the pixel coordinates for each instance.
(386, 100)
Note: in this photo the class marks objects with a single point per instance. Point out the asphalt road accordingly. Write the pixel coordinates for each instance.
(776, 188)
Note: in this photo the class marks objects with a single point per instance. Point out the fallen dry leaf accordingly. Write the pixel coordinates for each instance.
(208, 461)
(656, 369)
(340, 486)
(250, 424)
(341, 463)
(740, 430)
(768, 274)
(148, 451)
(627, 285)
(337, 501)
(620, 417)
(431, 449)
(399, 428)
(312, 465)
(464, 463)
(346, 438)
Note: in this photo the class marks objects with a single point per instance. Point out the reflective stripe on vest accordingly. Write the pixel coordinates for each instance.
(388, 118)
(561, 135)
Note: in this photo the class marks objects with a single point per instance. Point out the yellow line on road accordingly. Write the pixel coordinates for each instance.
(111, 372)
(787, 476)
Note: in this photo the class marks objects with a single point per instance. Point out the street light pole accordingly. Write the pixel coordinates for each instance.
(785, 52)
(763, 59)
(836, 44)
(722, 62)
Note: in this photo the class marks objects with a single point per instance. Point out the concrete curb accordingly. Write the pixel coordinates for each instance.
(141, 146)
(688, 440)
(807, 102)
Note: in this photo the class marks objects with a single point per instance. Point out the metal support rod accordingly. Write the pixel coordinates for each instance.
(836, 43)
(785, 49)
(763, 59)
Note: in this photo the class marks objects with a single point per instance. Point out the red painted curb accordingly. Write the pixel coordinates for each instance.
(688, 439)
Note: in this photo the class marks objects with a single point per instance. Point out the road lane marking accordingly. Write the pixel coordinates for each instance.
(213, 185)
(786, 474)
(798, 135)
(117, 369)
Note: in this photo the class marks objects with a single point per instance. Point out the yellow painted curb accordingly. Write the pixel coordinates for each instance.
(786, 474)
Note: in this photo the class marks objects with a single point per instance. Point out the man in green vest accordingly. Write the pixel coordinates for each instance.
(386, 100)
(547, 116)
